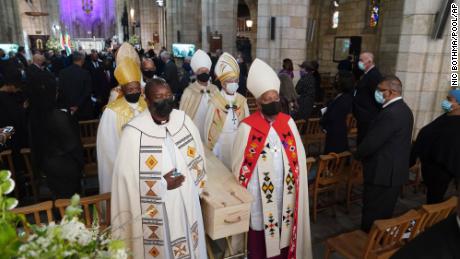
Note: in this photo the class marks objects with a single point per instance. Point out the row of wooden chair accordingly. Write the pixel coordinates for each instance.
(387, 236)
(42, 213)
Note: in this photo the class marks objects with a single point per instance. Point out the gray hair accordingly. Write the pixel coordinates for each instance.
(165, 55)
(78, 56)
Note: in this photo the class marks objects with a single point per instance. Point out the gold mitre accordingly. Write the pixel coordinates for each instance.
(127, 71)
(127, 50)
(227, 68)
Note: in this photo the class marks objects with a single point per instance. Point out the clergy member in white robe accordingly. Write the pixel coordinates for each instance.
(226, 110)
(269, 160)
(158, 176)
(114, 117)
(194, 101)
(126, 50)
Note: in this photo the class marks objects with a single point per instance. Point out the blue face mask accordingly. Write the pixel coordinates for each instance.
(446, 106)
(4, 58)
(379, 97)
(361, 66)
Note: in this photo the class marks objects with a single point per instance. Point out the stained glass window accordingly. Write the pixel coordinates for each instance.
(374, 13)
(335, 14)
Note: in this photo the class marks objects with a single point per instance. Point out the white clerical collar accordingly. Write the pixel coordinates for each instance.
(144, 123)
(392, 101)
(369, 69)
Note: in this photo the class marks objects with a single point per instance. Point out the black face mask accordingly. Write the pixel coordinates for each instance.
(148, 73)
(271, 109)
(204, 77)
(162, 108)
(132, 98)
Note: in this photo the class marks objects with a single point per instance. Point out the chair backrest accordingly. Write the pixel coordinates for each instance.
(433, 213)
(37, 211)
(90, 156)
(310, 162)
(330, 168)
(88, 130)
(97, 203)
(313, 127)
(386, 235)
(351, 122)
(301, 126)
(26, 154)
(356, 170)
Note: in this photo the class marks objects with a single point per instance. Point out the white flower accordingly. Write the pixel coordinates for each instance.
(72, 229)
(119, 254)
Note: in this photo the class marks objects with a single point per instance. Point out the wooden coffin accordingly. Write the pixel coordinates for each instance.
(225, 203)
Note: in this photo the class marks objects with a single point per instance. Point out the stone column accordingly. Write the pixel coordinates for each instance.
(10, 23)
(150, 16)
(220, 16)
(290, 31)
(423, 63)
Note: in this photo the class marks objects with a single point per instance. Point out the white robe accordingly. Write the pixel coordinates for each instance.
(108, 139)
(304, 248)
(200, 115)
(128, 198)
(224, 145)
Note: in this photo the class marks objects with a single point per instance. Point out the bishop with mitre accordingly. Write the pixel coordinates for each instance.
(226, 110)
(115, 116)
(194, 101)
(269, 160)
(158, 176)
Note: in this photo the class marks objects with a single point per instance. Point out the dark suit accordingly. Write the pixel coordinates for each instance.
(365, 108)
(41, 91)
(385, 153)
(101, 85)
(22, 60)
(442, 241)
(334, 121)
(75, 90)
(172, 77)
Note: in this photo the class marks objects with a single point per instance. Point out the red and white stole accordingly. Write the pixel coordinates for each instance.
(256, 148)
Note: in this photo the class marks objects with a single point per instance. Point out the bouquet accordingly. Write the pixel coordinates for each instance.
(68, 239)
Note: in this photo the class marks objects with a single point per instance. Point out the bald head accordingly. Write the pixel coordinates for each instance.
(367, 58)
(38, 59)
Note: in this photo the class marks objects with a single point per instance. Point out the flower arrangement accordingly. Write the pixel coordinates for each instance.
(68, 239)
(53, 44)
(134, 39)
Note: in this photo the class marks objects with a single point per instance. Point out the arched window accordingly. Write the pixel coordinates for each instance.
(373, 13)
(335, 14)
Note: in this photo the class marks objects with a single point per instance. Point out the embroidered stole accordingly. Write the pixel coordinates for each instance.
(153, 207)
(191, 99)
(220, 116)
(124, 111)
(258, 147)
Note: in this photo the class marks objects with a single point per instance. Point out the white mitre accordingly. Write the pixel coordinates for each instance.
(227, 68)
(262, 78)
(200, 59)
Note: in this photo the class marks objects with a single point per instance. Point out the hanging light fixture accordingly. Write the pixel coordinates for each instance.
(160, 2)
(249, 23)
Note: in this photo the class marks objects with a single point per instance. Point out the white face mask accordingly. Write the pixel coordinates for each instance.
(232, 88)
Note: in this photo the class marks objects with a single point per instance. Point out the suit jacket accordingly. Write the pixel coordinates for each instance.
(40, 88)
(365, 108)
(334, 121)
(442, 241)
(75, 90)
(385, 150)
(172, 77)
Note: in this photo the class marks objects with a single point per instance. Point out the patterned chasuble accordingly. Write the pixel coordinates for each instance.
(220, 116)
(258, 147)
(153, 208)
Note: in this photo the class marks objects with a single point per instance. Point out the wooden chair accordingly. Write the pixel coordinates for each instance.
(90, 167)
(29, 175)
(314, 135)
(355, 178)
(35, 213)
(6, 158)
(88, 131)
(301, 126)
(433, 213)
(384, 239)
(252, 105)
(415, 173)
(97, 203)
(328, 177)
